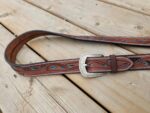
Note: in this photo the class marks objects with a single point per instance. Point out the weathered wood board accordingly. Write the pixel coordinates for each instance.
(141, 6)
(38, 95)
(120, 93)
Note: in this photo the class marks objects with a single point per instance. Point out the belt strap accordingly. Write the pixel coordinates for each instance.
(88, 65)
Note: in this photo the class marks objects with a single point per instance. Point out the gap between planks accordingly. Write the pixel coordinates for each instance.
(123, 7)
(89, 96)
(26, 100)
(31, 80)
(73, 23)
(59, 16)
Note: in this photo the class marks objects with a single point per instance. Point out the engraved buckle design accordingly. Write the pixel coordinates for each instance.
(83, 65)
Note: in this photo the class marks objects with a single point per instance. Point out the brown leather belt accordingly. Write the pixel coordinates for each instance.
(88, 65)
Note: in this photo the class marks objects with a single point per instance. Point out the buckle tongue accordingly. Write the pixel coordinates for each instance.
(83, 65)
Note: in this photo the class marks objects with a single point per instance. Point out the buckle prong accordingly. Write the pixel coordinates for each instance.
(83, 65)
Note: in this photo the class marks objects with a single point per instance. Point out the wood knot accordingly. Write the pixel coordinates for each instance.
(139, 27)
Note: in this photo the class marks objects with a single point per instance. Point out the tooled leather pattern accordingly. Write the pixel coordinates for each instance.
(124, 62)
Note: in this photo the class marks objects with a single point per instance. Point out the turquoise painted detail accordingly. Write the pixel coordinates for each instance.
(53, 67)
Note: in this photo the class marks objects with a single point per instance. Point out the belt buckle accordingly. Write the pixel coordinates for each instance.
(82, 66)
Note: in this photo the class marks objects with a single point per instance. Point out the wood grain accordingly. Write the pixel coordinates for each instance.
(17, 92)
(100, 16)
(123, 92)
(39, 95)
(141, 6)
(105, 19)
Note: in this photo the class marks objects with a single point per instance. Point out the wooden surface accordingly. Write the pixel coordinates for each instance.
(127, 92)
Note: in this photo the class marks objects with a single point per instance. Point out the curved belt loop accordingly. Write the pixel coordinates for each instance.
(97, 64)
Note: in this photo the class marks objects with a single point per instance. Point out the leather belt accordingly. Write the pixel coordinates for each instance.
(91, 65)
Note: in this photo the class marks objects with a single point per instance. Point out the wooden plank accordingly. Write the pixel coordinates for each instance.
(104, 18)
(99, 88)
(10, 99)
(18, 94)
(129, 22)
(44, 95)
(120, 22)
(141, 6)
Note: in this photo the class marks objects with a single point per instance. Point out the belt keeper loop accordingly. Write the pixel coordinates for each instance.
(113, 63)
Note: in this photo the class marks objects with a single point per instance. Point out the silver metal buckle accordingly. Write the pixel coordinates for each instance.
(83, 65)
